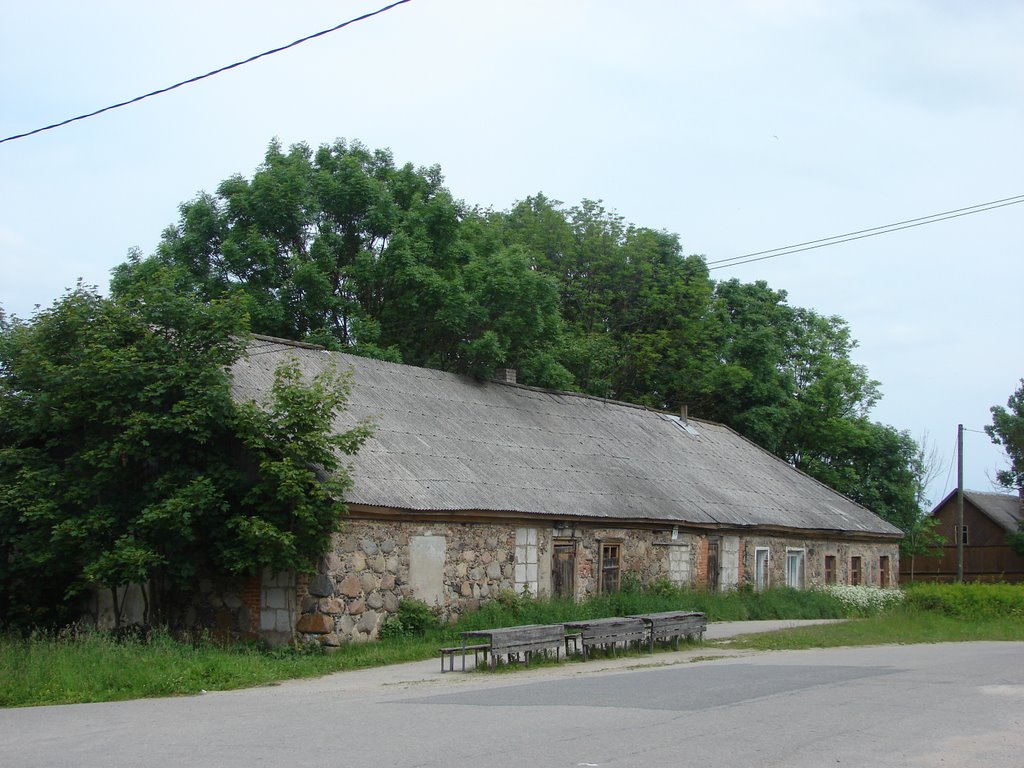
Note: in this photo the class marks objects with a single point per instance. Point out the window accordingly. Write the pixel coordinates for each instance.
(795, 568)
(609, 568)
(526, 560)
(883, 570)
(761, 568)
(856, 572)
(962, 532)
(830, 569)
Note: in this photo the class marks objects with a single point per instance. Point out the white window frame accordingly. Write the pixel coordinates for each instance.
(762, 576)
(800, 557)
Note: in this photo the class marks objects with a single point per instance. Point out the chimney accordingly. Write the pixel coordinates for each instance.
(505, 375)
(684, 413)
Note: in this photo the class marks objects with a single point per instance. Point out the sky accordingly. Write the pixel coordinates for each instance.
(739, 126)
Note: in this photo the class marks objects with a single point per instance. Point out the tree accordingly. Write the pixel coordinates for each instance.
(341, 247)
(1007, 430)
(124, 458)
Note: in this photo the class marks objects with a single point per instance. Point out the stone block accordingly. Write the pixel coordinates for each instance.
(358, 562)
(267, 621)
(486, 558)
(387, 581)
(493, 571)
(350, 586)
(309, 604)
(331, 640)
(322, 586)
(469, 556)
(314, 624)
(368, 582)
(390, 602)
(388, 545)
(466, 589)
(332, 563)
(391, 564)
(283, 621)
(349, 545)
(275, 597)
(345, 625)
(379, 564)
(331, 606)
(375, 600)
(461, 570)
(368, 623)
(356, 607)
(369, 547)
(491, 542)
(476, 574)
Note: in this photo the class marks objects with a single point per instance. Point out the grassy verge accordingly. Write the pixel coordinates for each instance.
(902, 627)
(84, 667)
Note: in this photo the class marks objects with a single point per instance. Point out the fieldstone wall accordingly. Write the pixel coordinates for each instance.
(815, 551)
(372, 566)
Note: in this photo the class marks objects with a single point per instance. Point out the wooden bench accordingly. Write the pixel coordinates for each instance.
(671, 625)
(519, 641)
(463, 649)
(608, 633)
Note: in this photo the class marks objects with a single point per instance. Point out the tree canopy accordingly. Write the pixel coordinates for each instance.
(1007, 430)
(125, 459)
(342, 246)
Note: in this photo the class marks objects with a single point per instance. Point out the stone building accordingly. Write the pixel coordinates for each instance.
(469, 488)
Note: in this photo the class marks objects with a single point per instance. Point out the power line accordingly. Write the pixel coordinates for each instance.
(208, 74)
(863, 233)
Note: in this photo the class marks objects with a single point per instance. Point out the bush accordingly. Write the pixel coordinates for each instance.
(413, 619)
(863, 600)
(968, 601)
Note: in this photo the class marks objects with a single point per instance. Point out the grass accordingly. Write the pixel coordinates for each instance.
(903, 626)
(74, 667)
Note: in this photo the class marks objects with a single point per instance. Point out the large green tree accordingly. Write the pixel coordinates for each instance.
(125, 459)
(342, 247)
(1007, 430)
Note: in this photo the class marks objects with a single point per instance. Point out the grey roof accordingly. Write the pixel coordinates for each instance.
(1002, 508)
(444, 442)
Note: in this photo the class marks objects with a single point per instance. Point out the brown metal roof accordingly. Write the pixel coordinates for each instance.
(444, 442)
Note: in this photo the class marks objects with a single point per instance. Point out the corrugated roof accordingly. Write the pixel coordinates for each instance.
(444, 442)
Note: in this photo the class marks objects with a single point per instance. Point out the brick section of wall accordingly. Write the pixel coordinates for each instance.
(250, 597)
(701, 580)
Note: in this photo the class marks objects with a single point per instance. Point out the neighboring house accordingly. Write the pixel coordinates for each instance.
(469, 488)
(988, 518)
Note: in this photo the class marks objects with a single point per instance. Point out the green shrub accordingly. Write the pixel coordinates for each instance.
(968, 601)
(412, 619)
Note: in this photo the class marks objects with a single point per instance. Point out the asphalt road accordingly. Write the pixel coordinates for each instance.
(931, 705)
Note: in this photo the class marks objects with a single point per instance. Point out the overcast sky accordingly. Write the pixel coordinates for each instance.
(741, 126)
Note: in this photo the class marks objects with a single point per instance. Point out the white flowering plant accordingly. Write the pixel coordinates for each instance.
(864, 600)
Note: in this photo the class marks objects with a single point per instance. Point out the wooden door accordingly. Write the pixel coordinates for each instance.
(563, 569)
(713, 567)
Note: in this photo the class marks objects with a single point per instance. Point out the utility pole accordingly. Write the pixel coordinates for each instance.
(959, 503)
